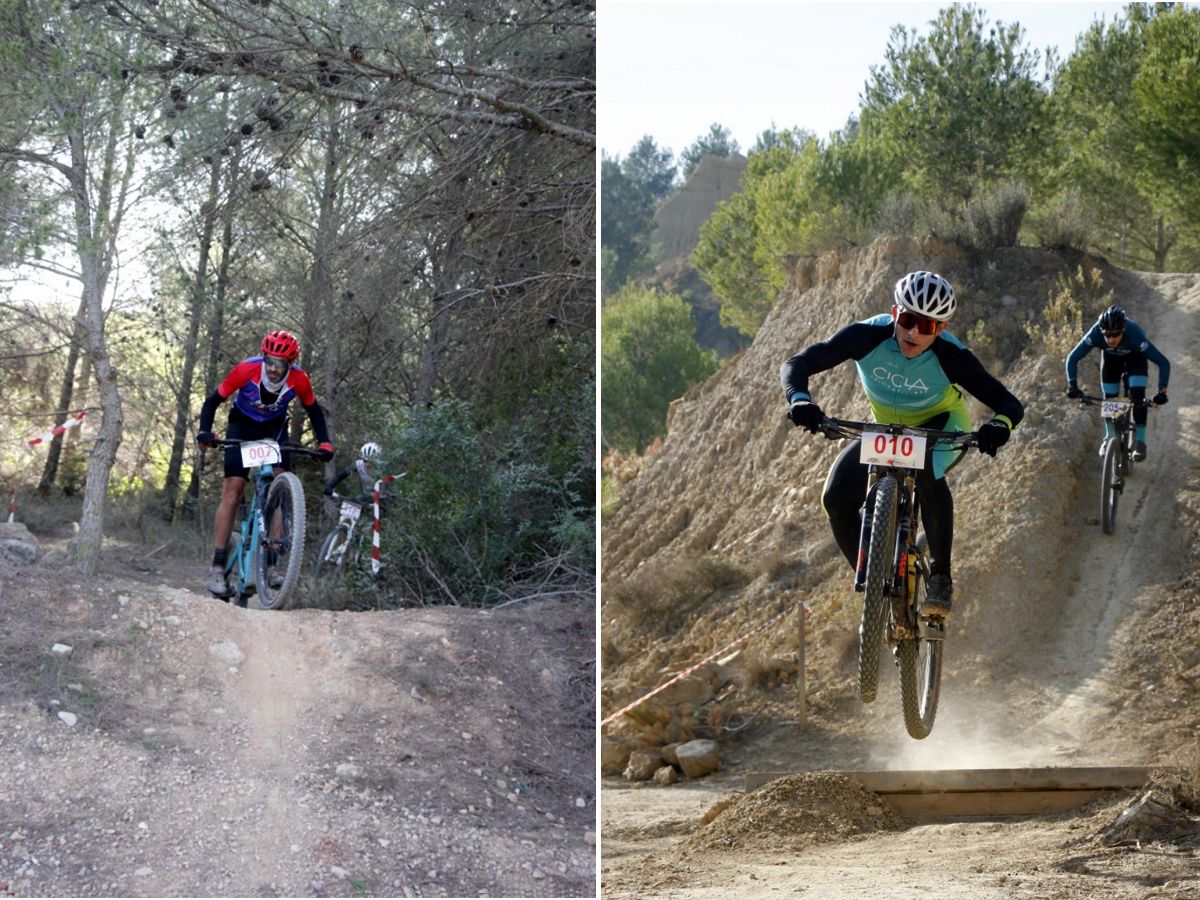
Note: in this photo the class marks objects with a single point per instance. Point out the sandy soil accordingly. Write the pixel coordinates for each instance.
(1088, 655)
(219, 751)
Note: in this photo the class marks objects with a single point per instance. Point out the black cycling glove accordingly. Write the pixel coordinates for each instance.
(806, 414)
(992, 437)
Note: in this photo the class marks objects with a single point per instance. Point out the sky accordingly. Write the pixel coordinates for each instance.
(671, 68)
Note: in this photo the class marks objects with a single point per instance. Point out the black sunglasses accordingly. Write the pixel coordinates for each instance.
(1109, 334)
(276, 362)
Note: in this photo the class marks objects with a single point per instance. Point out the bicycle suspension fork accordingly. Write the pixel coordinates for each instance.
(864, 539)
(906, 517)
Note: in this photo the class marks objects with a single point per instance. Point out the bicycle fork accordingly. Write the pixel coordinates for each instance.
(864, 538)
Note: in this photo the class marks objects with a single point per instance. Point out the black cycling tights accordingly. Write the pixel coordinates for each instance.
(846, 489)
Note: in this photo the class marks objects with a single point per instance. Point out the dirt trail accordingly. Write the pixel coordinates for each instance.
(220, 751)
(1127, 571)
(1104, 670)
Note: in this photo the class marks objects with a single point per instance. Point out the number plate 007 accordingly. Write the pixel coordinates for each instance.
(260, 453)
(904, 450)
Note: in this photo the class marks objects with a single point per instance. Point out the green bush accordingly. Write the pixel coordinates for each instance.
(649, 357)
(993, 219)
(477, 514)
(1065, 225)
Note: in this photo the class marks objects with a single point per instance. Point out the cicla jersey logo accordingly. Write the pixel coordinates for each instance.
(897, 381)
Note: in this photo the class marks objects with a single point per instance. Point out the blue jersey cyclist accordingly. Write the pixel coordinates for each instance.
(1126, 352)
(913, 372)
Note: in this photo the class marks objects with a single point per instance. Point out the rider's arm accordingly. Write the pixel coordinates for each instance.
(209, 410)
(299, 380)
(1082, 349)
(1164, 366)
(964, 369)
(338, 479)
(852, 342)
(237, 377)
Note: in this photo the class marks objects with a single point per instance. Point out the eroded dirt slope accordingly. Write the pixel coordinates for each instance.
(219, 751)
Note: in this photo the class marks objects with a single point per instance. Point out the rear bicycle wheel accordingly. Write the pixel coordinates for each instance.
(881, 556)
(1110, 487)
(279, 558)
(920, 665)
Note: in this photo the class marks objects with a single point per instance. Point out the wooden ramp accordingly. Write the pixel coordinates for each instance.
(956, 794)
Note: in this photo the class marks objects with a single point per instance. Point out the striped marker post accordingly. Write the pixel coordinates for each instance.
(50, 435)
(376, 562)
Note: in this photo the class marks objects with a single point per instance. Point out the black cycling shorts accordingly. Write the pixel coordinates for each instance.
(243, 428)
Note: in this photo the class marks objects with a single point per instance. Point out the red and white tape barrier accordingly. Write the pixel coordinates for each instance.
(50, 435)
(714, 655)
(376, 563)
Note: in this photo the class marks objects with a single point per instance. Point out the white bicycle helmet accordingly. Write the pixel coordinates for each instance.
(927, 294)
(370, 450)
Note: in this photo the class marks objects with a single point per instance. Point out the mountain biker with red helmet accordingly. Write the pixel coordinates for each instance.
(262, 387)
(913, 372)
(1126, 352)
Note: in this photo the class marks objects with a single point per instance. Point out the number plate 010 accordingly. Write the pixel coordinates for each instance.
(260, 453)
(884, 449)
(351, 511)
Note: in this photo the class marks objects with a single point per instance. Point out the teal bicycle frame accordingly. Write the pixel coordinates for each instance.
(241, 563)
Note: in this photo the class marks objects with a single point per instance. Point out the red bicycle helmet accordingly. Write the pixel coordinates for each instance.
(282, 344)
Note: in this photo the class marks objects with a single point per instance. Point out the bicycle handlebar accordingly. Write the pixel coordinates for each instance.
(845, 428)
(363, 499)
(1091, 400)
(289, 446)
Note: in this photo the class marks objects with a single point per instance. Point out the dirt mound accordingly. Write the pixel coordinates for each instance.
(183, 747)
(795, 812)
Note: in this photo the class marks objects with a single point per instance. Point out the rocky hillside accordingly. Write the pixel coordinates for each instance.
(722, 528)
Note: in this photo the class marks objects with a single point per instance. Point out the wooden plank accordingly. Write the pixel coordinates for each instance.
(989, 804)
(1031, 779)
(929, 795)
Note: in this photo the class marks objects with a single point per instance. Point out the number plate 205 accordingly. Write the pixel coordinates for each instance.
(885, 449)
(1110, 409)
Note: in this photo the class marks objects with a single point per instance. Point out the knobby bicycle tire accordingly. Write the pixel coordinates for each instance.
(285, 496)
(1125, 460)
(1110, 487)
(325, 566)
(881, 557)
(920, 667)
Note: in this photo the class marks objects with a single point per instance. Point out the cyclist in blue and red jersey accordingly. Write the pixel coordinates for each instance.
(262, 387)
(914, 373)
(1126, 353)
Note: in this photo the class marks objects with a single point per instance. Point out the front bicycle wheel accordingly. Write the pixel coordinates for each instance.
(1110, 486)
(881, 557)
(279, 557)
(920, 665)
(332, 553)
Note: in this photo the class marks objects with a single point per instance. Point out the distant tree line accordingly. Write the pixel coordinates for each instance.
(966, 133)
